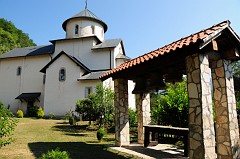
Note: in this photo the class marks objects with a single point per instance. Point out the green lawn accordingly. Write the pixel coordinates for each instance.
(36, 136)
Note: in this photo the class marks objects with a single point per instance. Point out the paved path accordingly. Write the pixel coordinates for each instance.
(161, 151)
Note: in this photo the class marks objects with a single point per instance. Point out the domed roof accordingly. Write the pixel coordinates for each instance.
(88, 15)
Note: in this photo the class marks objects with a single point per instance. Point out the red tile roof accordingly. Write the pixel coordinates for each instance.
(189, 40)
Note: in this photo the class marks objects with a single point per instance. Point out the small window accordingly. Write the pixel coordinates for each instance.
(88, 90)
(76, 29)
(62, 74)
(93, 29)
(44, 78)
(19, 71)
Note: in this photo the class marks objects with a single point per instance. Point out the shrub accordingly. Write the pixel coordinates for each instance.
(56, 154)
(20, 114)
(32, 111)
(133, 119)
(72, 120)
(100, 134)
(40, 113)
(51, 115)
(7, 125)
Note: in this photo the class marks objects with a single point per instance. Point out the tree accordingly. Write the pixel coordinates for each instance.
(99, 106)
(172, 107)
(86, 108)
(7, 125)
(11, 37)
(236, 77)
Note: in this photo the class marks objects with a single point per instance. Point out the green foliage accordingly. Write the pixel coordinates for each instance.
(40, 113)
(51, 115)
(100, 134)
(56, 154)
(87, 109)
(72, 120)
(7, 125)
(103, 100)
(133, 118)
(32, 111)
(99, 106)
(236, 68)
(171, 108)
(20, 114)
(11, 37)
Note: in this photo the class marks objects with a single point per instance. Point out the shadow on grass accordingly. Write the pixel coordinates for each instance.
(69, 128)
(71, 134)
(75, 149)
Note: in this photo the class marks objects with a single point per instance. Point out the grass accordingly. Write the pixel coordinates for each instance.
(33, 137)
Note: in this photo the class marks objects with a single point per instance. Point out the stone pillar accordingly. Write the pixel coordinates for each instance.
(122, 137)
(227, 131)
(201, 125)
(144, 116)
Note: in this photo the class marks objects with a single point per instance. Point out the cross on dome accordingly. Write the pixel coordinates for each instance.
(86, 3)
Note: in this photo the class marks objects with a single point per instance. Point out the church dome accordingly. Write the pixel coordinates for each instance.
(85, 14)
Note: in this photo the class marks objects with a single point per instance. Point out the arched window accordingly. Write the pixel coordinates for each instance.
(76, 29)
(19, 70)
(62, 74)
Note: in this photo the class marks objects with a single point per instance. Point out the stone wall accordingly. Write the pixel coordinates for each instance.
(201, 125)
(122, 137)
(227, 132)
(144, 116)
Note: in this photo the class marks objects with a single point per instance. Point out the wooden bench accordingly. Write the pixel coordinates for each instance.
(153, 129)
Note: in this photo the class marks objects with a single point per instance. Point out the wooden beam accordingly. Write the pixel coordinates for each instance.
(214, 44)
(231, 54)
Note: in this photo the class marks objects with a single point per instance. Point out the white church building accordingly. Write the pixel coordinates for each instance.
(55, 76)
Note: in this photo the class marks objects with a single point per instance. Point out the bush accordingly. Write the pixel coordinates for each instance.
(171, 108)
(56, 154)
(32, 111)
(100, 134)
(40, 113)
(7, 125)
(20, 114)
(133, 119)
(51, 115)
(72, 120)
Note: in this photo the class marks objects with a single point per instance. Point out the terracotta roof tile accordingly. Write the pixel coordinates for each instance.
(189, 40)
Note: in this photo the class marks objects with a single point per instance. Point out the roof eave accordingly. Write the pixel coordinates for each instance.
(99, 21)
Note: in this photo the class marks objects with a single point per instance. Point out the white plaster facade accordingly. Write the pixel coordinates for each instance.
(30, 80)
(83, 54)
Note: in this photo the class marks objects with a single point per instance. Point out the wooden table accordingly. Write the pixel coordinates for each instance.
(153, 129)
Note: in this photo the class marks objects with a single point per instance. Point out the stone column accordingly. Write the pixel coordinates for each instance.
(122, 136)
(227, 132)
(201, 125)
(144, 116)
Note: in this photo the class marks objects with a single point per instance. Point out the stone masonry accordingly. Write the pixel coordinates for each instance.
(227, 131)
(144, 116)
(122, 137)
(201, 125)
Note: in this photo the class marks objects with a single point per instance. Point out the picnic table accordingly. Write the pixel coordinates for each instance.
(151, 139)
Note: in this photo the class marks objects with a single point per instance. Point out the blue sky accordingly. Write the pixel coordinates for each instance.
(144, 25)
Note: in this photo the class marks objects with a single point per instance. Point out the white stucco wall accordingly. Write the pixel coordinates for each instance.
(86, 28)
(61, 96)
(82, 49)
(30, 80)
(109, 83)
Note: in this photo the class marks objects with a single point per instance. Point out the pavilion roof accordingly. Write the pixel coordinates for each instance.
(202, 38)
